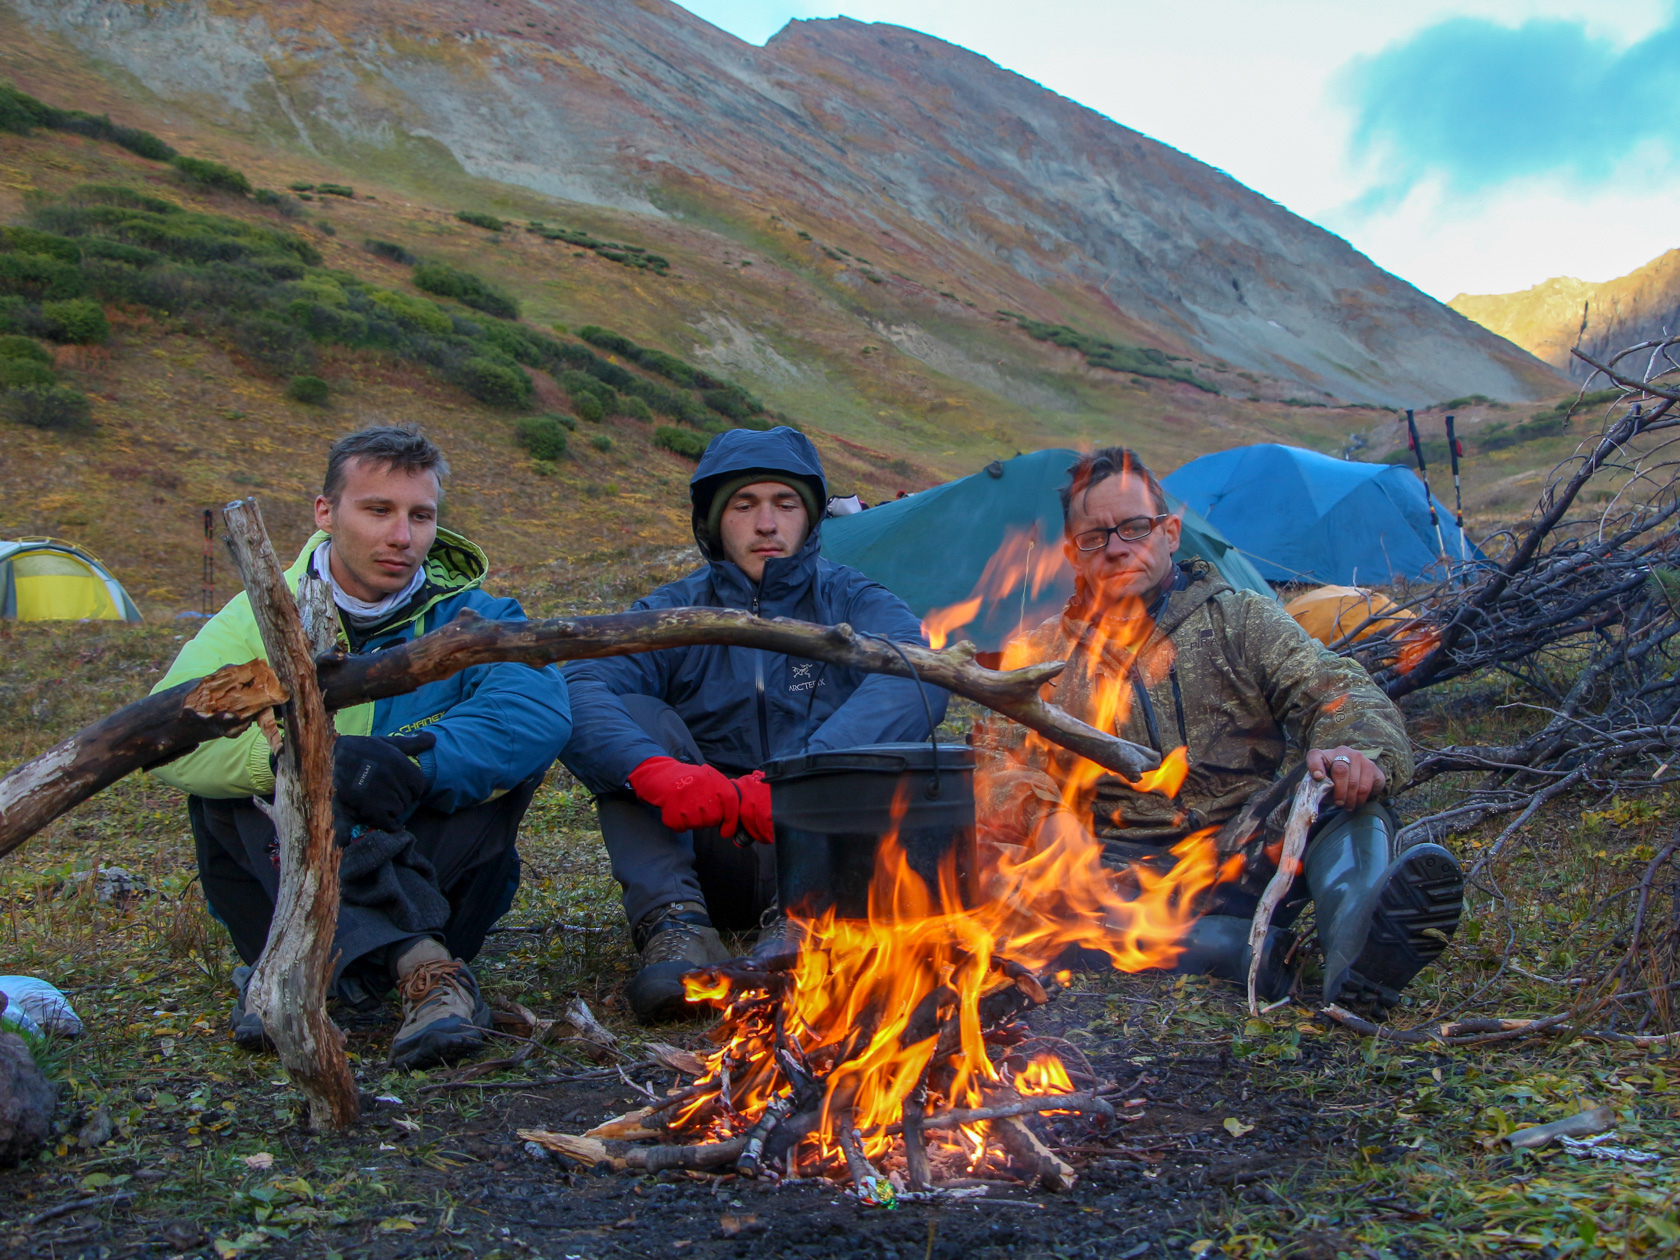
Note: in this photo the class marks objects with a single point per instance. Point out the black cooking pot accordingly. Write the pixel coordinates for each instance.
(831, 810)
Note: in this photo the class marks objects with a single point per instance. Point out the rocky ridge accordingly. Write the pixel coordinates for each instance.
(942, 161)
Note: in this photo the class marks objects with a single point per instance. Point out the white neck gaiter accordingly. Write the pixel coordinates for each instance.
(361, 613)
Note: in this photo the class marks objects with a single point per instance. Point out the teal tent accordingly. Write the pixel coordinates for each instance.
(933, 549)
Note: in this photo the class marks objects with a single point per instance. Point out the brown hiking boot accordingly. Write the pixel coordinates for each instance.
(673, 940)
(779, 941)
(443, 1015)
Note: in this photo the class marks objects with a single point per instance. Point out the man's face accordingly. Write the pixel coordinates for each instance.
(760, 522)
(382, 527)
(1120, 571)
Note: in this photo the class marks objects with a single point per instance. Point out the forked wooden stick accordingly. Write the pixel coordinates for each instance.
(1302, 814)
(288, 988)
(159, 728)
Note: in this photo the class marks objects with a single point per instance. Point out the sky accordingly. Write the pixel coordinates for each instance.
(1476, 146)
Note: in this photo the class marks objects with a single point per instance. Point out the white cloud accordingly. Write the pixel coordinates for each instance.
(1247, 87)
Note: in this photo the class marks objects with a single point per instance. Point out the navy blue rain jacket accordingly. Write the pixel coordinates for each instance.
(745, 706)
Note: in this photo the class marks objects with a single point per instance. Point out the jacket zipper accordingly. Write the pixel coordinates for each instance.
(763, 704)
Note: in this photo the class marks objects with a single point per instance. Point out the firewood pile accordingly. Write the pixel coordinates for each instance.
(1580, 607)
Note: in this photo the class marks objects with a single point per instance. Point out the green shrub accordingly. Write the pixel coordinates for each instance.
(39, 277)
(210, 174)
(600, 441)
(22, 240)
(55, 407)
(499, 384)
(636, 409)
(120, 195)
(466, 288)
(325, 228)
(684, 442)
(561, 417)
(589, 408)
(488, 222)
(80, 321)
(542, 436)
(116, 251)
(336, 190)
(17, 372)
(288, 207)
(308, 389)
(22, 113)
(413, 312)
(301, 187)
(391, 250)
(15, 347)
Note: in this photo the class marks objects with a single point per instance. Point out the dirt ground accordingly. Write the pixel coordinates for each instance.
(1197, 1125)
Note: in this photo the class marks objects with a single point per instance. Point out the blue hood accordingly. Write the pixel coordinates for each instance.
(736, 451)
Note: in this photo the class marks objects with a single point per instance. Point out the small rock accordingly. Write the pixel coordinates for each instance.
(116, 883)
(26, 1102)
(97, 1130)
(538, 1152)
(183, 1235)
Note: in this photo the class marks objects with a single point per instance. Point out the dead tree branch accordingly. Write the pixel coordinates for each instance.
(288, 988)
(156, 730)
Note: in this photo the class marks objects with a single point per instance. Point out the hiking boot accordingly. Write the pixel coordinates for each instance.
(778, 944)
(246, 1025)
(444, 1017)
(673, 940)
(1381, 920)
(1217, 945)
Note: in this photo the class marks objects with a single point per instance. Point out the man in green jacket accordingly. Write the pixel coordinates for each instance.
(1171, 656)
(429, 787)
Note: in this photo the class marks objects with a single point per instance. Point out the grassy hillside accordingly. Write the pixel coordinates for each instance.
(901, 382)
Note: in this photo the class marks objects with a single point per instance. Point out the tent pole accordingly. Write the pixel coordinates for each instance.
(1456, 450)
(1423, 471)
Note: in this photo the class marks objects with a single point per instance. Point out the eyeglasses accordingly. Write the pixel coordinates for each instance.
(1133, 530)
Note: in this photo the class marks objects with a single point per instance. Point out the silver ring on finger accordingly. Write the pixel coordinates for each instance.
(1344, 760)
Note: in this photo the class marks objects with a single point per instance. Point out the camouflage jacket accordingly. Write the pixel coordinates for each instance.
(1226, 673)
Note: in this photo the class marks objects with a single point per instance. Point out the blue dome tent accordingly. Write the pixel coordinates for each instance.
(989, 545)
(1305, 517)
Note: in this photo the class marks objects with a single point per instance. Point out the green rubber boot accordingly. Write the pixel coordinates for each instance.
(1217, 945)
(1381, 918)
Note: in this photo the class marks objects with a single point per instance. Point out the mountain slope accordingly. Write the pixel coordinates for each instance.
(1555, 315)
(929, 166)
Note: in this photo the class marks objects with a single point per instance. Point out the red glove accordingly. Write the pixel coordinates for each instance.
(688, 796)
(755, 807)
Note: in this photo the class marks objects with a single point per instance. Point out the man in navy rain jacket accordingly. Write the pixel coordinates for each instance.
(428, 788)
(671, 741)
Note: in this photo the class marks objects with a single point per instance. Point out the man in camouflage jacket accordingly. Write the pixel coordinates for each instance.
(1169, 655)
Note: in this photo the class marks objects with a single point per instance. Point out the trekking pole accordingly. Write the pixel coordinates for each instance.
(1455, 448)
(1423, 471)
(207, 575)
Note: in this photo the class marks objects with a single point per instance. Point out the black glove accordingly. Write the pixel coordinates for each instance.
(374, 782)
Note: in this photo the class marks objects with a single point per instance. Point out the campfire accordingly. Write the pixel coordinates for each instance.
(892, 1052)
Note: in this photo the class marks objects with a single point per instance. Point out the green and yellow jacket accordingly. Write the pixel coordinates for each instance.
(496, 725)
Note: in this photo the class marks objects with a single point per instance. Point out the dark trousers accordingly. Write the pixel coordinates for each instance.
(472, 851)
(656, 866)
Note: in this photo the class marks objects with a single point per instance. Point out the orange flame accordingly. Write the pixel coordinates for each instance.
(889, 1007)
(1044, 1074)
(1023, 565)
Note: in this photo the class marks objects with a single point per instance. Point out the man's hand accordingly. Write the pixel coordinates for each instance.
(755, 807)
(688, 796)
(375, 782)
(1356, 777)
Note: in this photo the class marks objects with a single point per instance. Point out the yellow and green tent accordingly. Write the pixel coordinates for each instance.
(46, 579)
